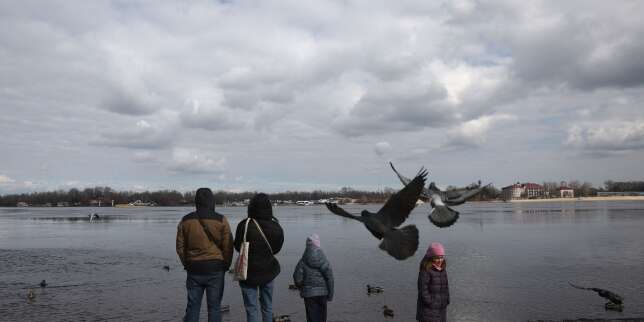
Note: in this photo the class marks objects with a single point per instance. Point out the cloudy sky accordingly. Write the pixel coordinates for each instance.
(302, 95)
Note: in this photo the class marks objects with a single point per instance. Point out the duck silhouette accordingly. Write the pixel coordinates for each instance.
(615, 302)
(400, 243)
(43, 283)
(374, 289)
(166, 267)
(387, 312)
(282, 318)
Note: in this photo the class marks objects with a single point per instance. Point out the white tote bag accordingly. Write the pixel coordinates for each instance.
(241, 264)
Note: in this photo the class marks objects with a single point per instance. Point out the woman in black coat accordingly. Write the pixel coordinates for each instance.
(263, 267)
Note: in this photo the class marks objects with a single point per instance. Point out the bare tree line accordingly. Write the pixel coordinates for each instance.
(90, 196)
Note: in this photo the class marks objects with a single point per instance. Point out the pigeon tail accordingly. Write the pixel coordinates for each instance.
(443, 216)
(401, 243)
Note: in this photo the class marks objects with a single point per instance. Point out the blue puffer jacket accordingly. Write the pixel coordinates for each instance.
(313, 274)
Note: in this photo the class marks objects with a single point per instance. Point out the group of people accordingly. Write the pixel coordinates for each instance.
(205, 245)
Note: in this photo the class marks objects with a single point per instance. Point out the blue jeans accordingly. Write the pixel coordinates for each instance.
(250, 295)
(213, 284)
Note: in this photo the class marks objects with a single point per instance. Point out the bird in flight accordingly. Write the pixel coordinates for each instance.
(615, 302)
(442, 215)
(402, 242)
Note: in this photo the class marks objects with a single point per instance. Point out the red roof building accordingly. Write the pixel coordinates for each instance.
(526, 190)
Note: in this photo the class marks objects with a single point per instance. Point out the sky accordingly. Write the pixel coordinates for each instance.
(318, 95)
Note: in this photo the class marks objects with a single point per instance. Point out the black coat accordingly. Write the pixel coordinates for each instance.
(433, 296)
(263, 267)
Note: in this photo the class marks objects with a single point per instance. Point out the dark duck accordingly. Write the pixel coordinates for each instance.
(387, 312)
(374, 289)
(615, 302)
(400, 243)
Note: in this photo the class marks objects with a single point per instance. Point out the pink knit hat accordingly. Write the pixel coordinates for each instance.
(435, 249)
(314, 239)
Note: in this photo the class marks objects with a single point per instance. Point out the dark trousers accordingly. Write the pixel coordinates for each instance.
(213, 284)
(315, 308)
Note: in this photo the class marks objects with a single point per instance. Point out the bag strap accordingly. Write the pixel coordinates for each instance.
(208, 233)
(261, 232)
(245, 230)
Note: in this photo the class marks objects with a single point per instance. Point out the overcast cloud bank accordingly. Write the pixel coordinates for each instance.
(309, 95)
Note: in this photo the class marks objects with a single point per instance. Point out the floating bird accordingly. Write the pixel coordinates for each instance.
(31, 295)
(166, 267)
(282, 318)
(224, 308)
(387, 312)
(93, 217)
(399, 243)
(374, 289)
(615, 302)
(442, 215)
(43, 283)
(292, 287)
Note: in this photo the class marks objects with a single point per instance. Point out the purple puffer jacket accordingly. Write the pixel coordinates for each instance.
(433, 296)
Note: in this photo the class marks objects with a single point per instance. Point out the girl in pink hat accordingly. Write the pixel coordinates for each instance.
(433, 290)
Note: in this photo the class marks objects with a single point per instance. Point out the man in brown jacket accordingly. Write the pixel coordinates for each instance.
(205, 248)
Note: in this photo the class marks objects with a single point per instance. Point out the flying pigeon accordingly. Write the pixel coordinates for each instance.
(442, 215)
(615, 301)
(400, 243)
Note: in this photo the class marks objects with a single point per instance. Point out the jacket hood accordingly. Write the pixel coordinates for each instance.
(314, 256)
(260, 207)
(205, 200)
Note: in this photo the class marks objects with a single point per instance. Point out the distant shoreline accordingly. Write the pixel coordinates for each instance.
(613, 198)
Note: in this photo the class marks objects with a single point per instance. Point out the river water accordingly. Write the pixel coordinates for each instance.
(506, 262)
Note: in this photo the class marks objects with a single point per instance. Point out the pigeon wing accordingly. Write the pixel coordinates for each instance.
(334, 208)
(399, 206)
(465, 195)
(424, 194)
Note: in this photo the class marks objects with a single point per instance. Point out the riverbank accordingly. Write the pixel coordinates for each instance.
(614, 198)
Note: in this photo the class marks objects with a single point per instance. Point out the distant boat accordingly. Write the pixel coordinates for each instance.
(304, 203)
(137, 203)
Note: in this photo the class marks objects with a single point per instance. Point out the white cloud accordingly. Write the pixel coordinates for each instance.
(4, 179)
(381, 148)
(474, 132)
(608, 136)
(195, 162)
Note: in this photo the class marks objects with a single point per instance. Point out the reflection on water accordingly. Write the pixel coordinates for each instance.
(507, 262)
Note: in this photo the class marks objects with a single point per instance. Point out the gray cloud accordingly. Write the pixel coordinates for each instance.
(142, 136)
(213, 118)
(283, 81)
(608, 136)
(397, 107)
(191, 161)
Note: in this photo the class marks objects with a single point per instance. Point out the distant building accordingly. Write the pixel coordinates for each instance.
(22, 204)
(526, 190)
(512, 192)
(566, 192)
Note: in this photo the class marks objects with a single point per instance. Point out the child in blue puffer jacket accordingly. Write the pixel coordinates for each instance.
(314, 278)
